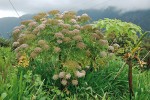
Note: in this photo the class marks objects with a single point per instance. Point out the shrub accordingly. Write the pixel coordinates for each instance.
(61, 47)
(123, 33)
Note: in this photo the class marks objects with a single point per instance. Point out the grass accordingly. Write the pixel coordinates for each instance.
(141, 85)
(99, 85)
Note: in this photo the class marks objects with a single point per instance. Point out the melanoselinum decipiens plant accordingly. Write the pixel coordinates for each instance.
(62, 46)
(129, 37)
(124, 33)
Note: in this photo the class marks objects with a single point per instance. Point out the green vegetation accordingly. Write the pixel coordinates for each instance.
(121, 32)
(63, 57)
(4, 42)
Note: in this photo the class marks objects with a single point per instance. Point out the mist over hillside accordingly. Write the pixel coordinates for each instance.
(141, 18)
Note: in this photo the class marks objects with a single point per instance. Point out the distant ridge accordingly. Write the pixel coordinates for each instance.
(8, 23)
(141, 18)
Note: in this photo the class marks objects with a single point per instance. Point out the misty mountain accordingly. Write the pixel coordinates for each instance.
(141, 18)
(8, 23)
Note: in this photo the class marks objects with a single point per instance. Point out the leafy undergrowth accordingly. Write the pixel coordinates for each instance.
(22, 84)
(63, 57)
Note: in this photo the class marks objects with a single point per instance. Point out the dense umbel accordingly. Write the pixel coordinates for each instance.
(64, 39)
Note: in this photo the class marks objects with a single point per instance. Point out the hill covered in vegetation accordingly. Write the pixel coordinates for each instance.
(140, 18)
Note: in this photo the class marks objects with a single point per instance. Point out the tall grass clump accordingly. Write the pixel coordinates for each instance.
(15, 83)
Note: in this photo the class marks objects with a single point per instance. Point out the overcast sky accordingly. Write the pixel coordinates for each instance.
(33, 6)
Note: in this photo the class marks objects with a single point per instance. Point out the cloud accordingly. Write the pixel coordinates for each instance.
(32, 6)
(130, 5)
(9, 13)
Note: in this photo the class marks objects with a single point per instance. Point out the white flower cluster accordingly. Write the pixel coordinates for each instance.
(65, 77)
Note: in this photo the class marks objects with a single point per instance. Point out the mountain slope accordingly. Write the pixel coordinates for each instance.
(141, 18)
(8, 23)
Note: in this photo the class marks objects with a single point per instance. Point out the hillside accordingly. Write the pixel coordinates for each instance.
(8, 23)
(140, 18)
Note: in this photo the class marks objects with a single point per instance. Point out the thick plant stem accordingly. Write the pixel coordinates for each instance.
(129, 62)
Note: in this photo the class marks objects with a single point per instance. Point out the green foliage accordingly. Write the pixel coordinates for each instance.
(15, 83)
(146, 43)
(4, 42)
(103, 82)
(60, 47)
(145, 52)
(21, 86)
(7, 61)
(141, 84)
(123, 33)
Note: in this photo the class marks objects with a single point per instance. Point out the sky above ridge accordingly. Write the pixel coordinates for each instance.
(34, 6)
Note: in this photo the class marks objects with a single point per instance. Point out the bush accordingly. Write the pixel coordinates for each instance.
(123, 33)
(61, 47)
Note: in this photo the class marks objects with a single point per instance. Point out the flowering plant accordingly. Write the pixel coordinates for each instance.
(62, 46)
